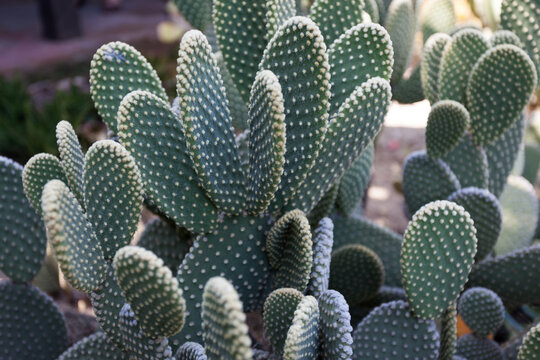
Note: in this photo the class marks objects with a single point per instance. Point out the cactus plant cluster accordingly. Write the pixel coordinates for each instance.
(263, 219)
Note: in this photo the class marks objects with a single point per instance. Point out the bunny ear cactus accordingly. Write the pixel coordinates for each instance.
(335, 331)
(448, 333)
(469, 163)
(303, 336)
(482, 310)
(431, 64)
(93, 347)
(336, 17)
(530, 348)
(323, 240)
(197, 12)
(472, 347)
(190, 351)
(71, 157)
(446, 125)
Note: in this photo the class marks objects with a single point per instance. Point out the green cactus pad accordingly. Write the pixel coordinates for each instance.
(116, 70)
(437, 17)
(22, 236)
(94, 347)
(239, 110)
(363, 52)
(530, 348)
(519, 213)
(438, 250)
(137, 344)
(458, 59)
(486, 212)
(505, 276)
(426, 180)
(169, 243)
(323, 239)
(390, 331)
(385, 243)
(277, 13)
(367, 268)
(325, 206)
(75, 244)
(335, 331)
(266, 141)
(354, 182)
(224, 322)
(302, 337)
(241, 33)
(167, 172)
(471, 347)
(190, 351)
(107, 303)
(31, 325)
(305, 83)
(347, 135)
(496, 104)
(197, 12)
(502, 154)
(482, 310)
(469, 163)
(113, 194)
(521, 17)
(71, 157)
(504, 37)
(38, 171)
(409, 89)
(336, 17)
(384, 295)
(151, 290)
(278, 314)
(371, 8)
(206, 118)
(446, 125)
(431, 65)
(448, 333)
(224, 253)
(289, 249)
(401, 25)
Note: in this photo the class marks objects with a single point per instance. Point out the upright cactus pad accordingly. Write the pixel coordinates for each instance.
(323, 240)
(277, 13)
(197, 12)
(495, 106)
(190, 351)
(469, 163)
(482, 310)
(391, 331)
(437, 17)
(501, 37)
(151, 290)
(31, 325)
(72, 237)
(438, 250)
(22, 236)
(71, 157)
(95, 346)
(302, 337)
(279, 309)
(431, 65)
(335, 331)
(530, 348)
(336, 17)
(113, 194)
(290, 251)
(116, 70)
(446, 125)
(167, 172)
(401, 25)
(266, 141)
(448, 333)
(472, 347)
(225, 331)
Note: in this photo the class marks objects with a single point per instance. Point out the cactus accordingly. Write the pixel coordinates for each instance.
(446, 125)
(501, 37)
(336, 17)
(302, 338)
(431, 64)
(71, 157)
(335, 331)
(92, 347)
(448, 333)
(472, 347)
(197, 13)
(469, 163)
(437, 17)
(401, 25)
(323, 240)
(530, 347)
(482, 310)
(190, 351)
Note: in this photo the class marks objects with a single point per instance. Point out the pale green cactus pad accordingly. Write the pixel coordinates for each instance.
(31, 325)
(334, 17)
(482, 310)
(472, 347)
(438, 251)
(326, 205)
(485, 210)
(302, 337)
(266, 141)
(278, 314)
(392, 330)
(431, 65)
(116, 70)
(530, 348)
(167, 172)
(495, 105)
(224, 322)
(277, 13)
(305, 84)
(197, 12)
(190, 351)
(75, 244)
(113, 194)
(501, 37)
(323, 240)
(290, 251)
(446, 125)
(22, 236)
(401, 25)
(150, 288)
(448, 333)
(239, 110)
(71, 157)
(437, 16)
(335, 331)
(469, 163)
(93, 347)
(38, 171)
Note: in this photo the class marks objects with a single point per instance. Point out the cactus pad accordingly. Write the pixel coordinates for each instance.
(530, 348)
(495, 105)
(323, 239)
(239, 110)
(167, 172)
(336, 17)
(71, 157)
(22, 236)
(438, 250)
(289, 249)
(335, 331)
(302, 337)
(93, 347)
(448, 333)
(431, 65)
(31, 325)
(266, 140)
(469, 163)
(446, 125)
(151, 290)
(190, 351)
(113, 194)
(391, 330)
(472, 347)
(75, 244)
(401, 25)
(279, 310)
(116, 70)
(197, 12)
(501, 37)
(482, 310)
(277, 13)
(437, 17)
(224, 322)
